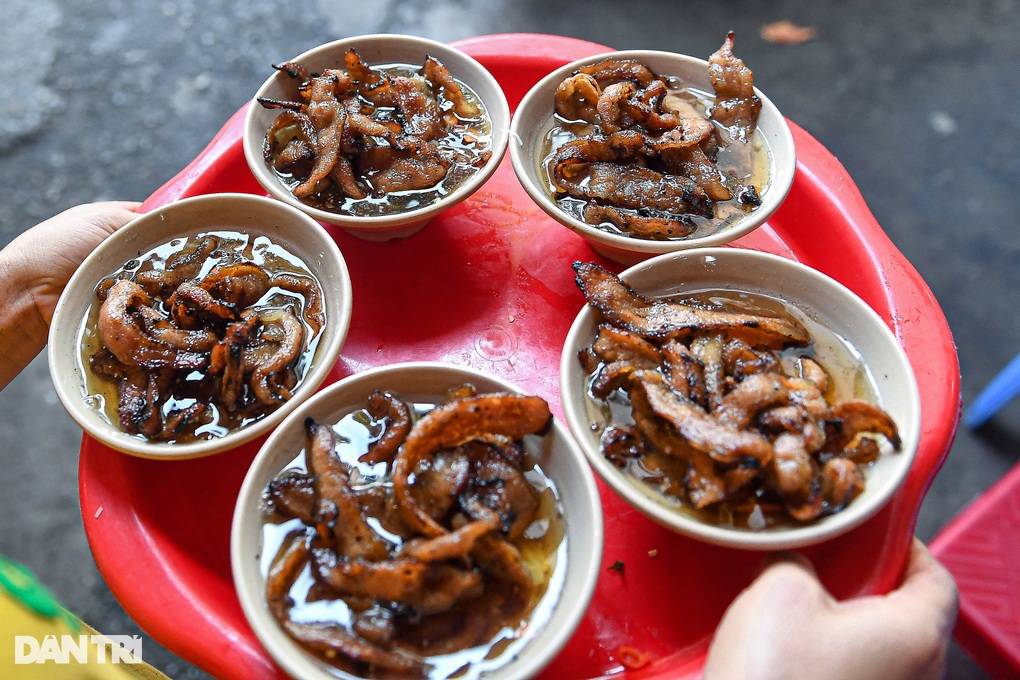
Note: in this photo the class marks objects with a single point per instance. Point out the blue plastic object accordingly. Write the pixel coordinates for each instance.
(997, 394)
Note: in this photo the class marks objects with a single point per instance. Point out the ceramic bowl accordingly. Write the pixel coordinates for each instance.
(378, 50)
(534, 118)
(574, 576)
(838, 321)
(255, 216)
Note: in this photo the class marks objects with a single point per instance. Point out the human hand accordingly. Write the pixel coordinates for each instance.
(46, 255)
(786, 625)
(35, 267)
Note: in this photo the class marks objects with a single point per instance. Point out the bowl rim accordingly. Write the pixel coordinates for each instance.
(500, 137)
(67, 320)
(582, 570)
(645, 502)
(782, 165)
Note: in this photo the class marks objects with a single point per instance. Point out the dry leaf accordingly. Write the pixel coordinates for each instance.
(787, 33)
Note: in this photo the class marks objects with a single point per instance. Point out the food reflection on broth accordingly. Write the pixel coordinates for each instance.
(415, 539)
(732, 406)
(200, 336)
(376, 140)
(645, 155)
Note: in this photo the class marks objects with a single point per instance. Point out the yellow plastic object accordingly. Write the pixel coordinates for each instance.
(40, 639)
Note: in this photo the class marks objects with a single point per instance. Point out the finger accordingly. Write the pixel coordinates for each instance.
(787, 557)
(927, 583)
(100, 207)
(110, 216)
(790, 580)
(790, 568)
(126, 205)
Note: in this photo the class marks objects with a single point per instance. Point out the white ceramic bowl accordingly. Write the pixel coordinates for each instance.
(534, 118)
(829, 310)
(378, 49)
(559, 458)
(253, 215)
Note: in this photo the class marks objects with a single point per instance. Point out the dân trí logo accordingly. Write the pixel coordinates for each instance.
(61, 649)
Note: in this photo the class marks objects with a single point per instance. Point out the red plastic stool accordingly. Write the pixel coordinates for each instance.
(981, 548)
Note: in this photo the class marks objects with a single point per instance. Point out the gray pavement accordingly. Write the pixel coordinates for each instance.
(917, 99)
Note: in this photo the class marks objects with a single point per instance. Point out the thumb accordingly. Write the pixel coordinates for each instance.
(928, 588)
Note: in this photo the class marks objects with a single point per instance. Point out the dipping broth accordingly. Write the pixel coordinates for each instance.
(447, 640)
(189, 402)
(747, 163)
(756, 506)
(644, 155)
(464, 145)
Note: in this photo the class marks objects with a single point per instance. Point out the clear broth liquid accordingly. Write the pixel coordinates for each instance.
(849, 378)
(732, 160)
(543, 547)
(467, 159)
(102, 394)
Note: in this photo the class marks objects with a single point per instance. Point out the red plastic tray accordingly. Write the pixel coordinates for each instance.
(979, 547)
(489, 284)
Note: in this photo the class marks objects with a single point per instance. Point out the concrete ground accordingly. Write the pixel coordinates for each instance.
(109, 99)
